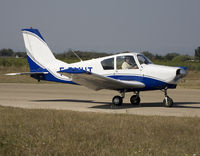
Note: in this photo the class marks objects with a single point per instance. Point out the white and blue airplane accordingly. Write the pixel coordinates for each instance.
(125, 72)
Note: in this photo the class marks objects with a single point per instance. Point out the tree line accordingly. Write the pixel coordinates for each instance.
(11, 53)
(89, 55)
(69, 54)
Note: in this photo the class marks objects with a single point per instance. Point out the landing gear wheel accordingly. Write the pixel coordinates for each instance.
(135, 100)
(117, 100)
(168, 102)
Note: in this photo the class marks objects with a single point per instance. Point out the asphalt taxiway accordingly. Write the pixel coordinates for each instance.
(78, 98)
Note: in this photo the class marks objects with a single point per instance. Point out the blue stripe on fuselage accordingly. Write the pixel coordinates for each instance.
(150, 83)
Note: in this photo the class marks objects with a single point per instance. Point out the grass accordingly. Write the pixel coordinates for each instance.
(15, 79)
(19, 78)
(17, 62)
(192, 80)
(51, 132)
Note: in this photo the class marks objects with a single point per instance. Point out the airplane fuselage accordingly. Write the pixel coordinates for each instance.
(154, 77)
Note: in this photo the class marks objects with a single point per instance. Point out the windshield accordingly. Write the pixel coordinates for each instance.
(143, 59)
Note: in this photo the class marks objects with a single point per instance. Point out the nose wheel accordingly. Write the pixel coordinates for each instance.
(135, 99)
(167, 102)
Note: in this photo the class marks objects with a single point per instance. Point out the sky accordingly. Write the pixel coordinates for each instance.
(157, 26)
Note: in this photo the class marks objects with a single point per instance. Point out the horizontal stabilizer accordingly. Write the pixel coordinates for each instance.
(27, 73)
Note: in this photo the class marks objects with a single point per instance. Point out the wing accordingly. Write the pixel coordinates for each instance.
(97, 82)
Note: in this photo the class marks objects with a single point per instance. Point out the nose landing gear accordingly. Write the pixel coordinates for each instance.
(167, 102)
(135, 99)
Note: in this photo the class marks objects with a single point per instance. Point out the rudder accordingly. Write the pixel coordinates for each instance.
(39, 56)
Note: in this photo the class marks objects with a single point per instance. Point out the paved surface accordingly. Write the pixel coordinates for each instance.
(78, 98)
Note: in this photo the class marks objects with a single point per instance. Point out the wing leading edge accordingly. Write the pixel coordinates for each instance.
(98, 82)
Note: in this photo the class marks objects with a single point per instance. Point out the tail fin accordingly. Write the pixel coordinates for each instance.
(39, 56)
(43, 65)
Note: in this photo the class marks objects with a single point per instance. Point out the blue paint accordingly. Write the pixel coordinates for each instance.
(73, 70)
(150, 83)
(61, 68)
(90, 69)
(185, 68)
(34, 67)
(86, 68)
(48, 77)
(35, 31)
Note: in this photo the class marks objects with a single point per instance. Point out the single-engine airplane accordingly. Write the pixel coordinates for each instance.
(125, 72)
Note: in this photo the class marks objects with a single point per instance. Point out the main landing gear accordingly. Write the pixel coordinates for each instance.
(118, 100)
(167, 102)
(135, 99)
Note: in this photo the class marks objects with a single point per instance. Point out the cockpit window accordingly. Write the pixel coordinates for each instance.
(126, 62)
(108, 64)
(143, 60)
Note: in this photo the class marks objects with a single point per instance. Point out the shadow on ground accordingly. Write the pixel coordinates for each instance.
(109, 105)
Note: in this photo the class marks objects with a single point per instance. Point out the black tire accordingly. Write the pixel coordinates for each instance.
(168, 102)
(117, 100)
(135, 100)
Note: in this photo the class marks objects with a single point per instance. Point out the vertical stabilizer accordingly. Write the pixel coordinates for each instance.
(39, 54)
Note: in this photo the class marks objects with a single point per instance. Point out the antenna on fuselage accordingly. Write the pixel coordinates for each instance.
(77, 56)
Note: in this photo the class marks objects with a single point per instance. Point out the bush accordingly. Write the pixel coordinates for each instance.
(181, 58)
(6, 52)
(170, 56)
